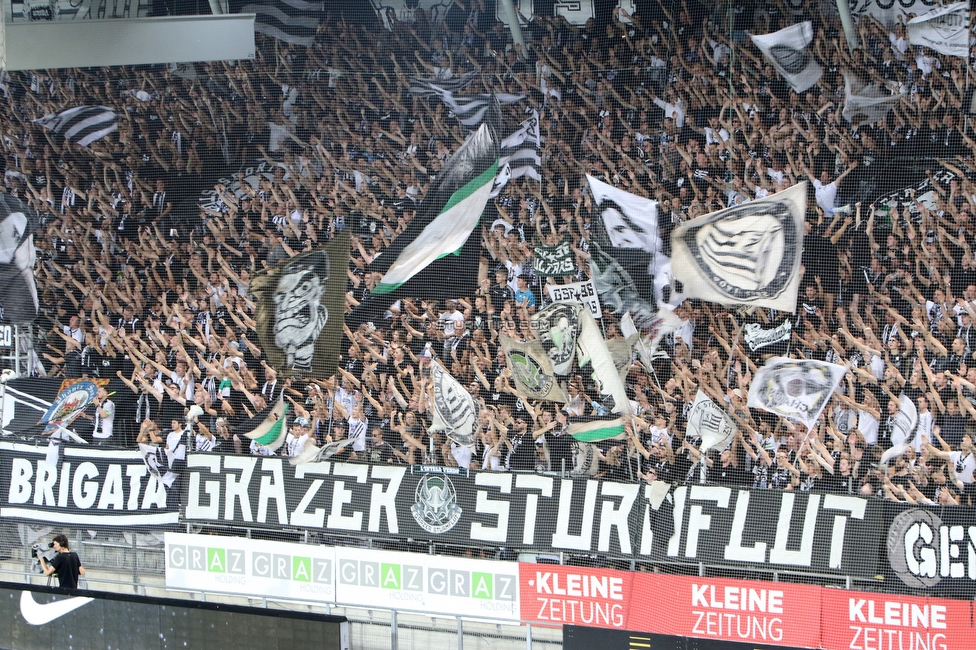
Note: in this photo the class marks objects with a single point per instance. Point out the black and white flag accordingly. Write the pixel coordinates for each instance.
(291, 21)
(627, 264)
(520, 151)
(706, 420)
(422, 87)
(471, 110)
(82, 125)
(455, 412)
(773, 339)
(558, 327)
(795, 389)
(786, 50)
(558, 260)
(748, 254)
(867, 103)
(944, 29)
(18, 290)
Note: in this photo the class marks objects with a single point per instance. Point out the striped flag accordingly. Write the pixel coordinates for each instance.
(594, 428)
(471, 111)
(291, 21)
(425, 87)
(520, 151)
(83, 124)
(442, 242)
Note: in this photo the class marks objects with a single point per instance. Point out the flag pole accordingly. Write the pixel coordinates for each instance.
(853, 40)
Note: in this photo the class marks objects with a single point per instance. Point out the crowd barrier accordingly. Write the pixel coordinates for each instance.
(754, 612)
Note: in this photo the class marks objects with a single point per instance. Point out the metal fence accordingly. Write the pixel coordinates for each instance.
(125, 564)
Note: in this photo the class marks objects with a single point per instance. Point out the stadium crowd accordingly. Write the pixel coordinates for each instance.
(141, 281)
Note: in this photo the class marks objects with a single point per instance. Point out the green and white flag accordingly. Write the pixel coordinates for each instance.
(436, 257)
(594, 428)
(270, 431)
(446, 233)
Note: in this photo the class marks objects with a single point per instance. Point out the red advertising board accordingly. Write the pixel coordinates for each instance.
(743, 611)
(731, 610)
(853, 620)
(567, 595)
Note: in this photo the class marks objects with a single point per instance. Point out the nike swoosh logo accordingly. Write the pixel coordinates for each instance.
(38, 614)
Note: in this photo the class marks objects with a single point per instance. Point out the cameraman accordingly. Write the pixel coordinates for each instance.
(66, 563)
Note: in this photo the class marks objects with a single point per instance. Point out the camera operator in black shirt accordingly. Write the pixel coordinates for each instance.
(65, 563)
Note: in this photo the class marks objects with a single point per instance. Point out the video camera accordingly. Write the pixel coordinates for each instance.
(39, 551)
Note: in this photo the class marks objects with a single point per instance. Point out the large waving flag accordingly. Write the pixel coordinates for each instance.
(748, 254)
(18, 289)
(473, 110)
(455, 410)
(944, 29)
(291, 21)
(866, 103)
(798, 390)
(710, 423)
(520, 151)
(437, 255)
(786, 50)
(82, 124)
(626, 253)
(531, 369)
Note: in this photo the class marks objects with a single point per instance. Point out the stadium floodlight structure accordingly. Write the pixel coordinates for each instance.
(52, 44)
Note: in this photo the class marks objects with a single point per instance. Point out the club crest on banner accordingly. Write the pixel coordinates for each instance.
(74, 397)
(435, 505)
(790, 59)
(455, 411)
(529, 372)
(795, 389)
(558, 328)
(913, 559)
(747, 254)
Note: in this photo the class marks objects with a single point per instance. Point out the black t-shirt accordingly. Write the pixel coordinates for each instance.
(68, 567)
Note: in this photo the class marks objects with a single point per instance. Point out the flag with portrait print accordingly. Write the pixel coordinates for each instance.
(795, 389)
(300, 304)
(626, 253)
(18, 288)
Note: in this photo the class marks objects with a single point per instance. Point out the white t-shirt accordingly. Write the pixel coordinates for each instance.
(461, 454)
(965, 465)
(203, 443)
(296, 445)
(826, 194)
(868, 425)
(450, 321)
(923, 433)
(357, 431)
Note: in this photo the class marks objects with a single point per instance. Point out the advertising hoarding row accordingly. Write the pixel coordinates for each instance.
(714, 609)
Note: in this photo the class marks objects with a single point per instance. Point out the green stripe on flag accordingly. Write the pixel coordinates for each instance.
(482, 179)
(597, 430)
(463, 193)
